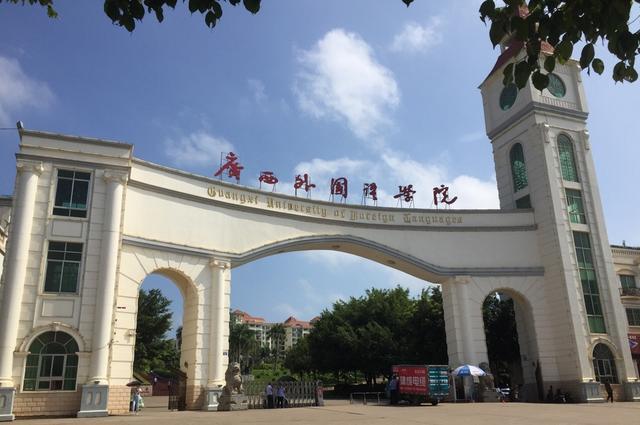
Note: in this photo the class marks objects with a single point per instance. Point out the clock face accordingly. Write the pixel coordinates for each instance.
(508, 96)
(556, 86)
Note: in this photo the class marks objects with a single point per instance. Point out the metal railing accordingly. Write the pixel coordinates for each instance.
(358, 395)
(297, 394)
(630, 292)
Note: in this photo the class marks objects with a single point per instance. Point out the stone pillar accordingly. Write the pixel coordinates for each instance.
(458, 317)
(96, 392)
(217, 323)
(17, 257)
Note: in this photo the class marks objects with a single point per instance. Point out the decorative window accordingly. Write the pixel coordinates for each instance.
(575, 206)
(63, 267)
(567, 159)
(604, 364)
(52, 363)
(518, 168)
(524, 202)
(72, 193)
(589, 282)
(633, 316)
(627, 281)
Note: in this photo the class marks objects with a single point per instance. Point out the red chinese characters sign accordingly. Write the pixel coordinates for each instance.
(340, 187)
(412, 379)
(232, 167)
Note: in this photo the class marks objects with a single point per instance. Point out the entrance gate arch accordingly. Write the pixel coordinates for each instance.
(547, 243)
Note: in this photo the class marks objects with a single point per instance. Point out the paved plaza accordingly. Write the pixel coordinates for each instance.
(341, 412)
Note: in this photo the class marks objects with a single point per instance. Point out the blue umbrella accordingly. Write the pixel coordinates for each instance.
(468, 370)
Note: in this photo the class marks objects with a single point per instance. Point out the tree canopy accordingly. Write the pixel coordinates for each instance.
(561, 24)
(153, 350)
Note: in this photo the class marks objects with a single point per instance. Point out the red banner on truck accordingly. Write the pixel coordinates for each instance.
(412, 379)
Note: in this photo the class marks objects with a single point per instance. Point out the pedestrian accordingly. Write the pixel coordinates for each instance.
(269, 392)
(280, 395)
(393, 389)
(136, 399)
(549, 398)
(609, 390)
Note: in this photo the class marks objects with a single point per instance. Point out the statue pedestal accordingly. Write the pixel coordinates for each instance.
(632, 391)
(94, 401)
(233, 402)
(7, 395)
(213, 399)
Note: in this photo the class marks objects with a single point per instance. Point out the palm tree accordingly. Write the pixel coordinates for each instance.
(277, 334)
(242, 340)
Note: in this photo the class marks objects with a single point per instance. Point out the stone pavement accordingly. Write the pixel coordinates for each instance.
(341, 412)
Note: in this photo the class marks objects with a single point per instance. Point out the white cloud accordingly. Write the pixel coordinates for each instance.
(196, 149)
(340, 79)
(395, 169)
(19, 91)
(258, 90)
(416, 38)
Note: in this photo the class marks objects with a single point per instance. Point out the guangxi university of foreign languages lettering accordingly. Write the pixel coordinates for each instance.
(339, 187)
(330, 212)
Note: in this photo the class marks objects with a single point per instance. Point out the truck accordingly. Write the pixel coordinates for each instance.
(422, 383)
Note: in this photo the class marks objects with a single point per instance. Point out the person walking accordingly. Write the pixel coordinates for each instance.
(609, 390)
(136, 399)
(393, 389)
(269, 392)
(280, 394)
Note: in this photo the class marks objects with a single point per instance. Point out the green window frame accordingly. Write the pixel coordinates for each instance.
(590, 290)
(575, 207)
(604, 364)
(633, 316)
(63, 267)
(518, 167)
(627, 281)
(52, 363)
(72, 193)
(567, 159)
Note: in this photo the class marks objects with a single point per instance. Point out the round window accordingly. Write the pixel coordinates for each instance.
(508, 96)
(556, 86)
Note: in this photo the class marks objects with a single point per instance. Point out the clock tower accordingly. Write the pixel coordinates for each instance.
(543, 162)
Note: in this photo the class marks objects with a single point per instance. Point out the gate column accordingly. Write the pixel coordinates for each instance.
(95, 392)
(17, 257)
(463, 323)
(219, 301)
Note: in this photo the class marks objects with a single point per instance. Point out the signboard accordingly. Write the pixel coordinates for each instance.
(634, 343)
(412, 379)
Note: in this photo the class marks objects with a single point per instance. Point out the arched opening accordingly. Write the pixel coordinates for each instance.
(161, 358)
(52, 363)
(518, 167)
(511, 345)
(296, 289)
(604, 364)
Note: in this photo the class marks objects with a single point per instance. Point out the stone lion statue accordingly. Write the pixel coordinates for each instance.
(233, 380)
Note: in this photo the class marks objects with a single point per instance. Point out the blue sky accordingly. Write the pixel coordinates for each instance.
(367, 90)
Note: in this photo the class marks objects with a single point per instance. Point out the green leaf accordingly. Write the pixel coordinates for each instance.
(217, 10)
(588, 52)
(522, 72)
(252, 6)
(496, 33)
(508, 74)
(631, 75)
(619, 71)
(563, 50)
(111, 10)
(128, 22)
(407, 2)
(210, 19)
(540, 81)
(487, 8)
(598, 66)
(137, 10)
(550, 64)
